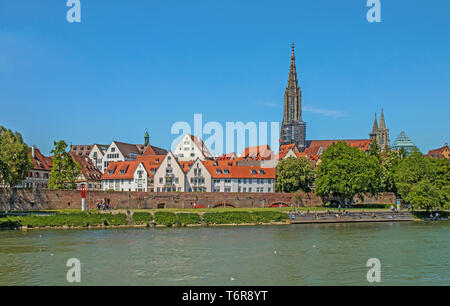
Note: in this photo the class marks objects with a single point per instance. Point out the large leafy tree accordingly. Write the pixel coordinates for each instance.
(389, 162)
(15, 158)
(294, 174)
(346, 172)
(423, 182)
(64, 169)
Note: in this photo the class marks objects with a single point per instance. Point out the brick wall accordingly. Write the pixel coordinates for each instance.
(61, 199)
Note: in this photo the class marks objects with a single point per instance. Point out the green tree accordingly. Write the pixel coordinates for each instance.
(64, 169)
(389, 162)
(15, 158)
(345, 172)
(423, 182)
(294, 174)
(374, 149)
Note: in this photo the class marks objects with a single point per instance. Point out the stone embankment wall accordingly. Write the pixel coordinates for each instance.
(62, 199)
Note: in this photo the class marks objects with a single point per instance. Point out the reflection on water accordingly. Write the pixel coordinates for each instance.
(412, 253)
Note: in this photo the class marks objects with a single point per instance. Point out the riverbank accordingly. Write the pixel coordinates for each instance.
(159, 219)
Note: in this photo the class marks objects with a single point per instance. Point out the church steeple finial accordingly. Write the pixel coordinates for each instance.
(293, 51)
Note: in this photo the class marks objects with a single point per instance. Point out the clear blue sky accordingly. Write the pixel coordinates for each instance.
(132, 65)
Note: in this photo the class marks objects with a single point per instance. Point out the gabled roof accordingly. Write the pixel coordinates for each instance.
(442, 152)
(113, 172)
(40, 162)
(103, 148)
(127, 148)
(151, 163)
(186, 165)
(201, 146)
(152, 150)
(87, 167)
(284, 149)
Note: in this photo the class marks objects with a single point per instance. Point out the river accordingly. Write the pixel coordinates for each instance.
(411, 253)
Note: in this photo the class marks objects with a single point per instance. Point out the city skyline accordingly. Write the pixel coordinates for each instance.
(348, 69)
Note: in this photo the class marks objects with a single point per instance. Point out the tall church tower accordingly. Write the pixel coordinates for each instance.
(293, 129)
(380, 133)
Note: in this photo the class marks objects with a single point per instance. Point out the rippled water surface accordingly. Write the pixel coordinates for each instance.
(411, 253)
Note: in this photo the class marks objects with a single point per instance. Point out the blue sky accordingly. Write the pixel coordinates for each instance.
(132, 65)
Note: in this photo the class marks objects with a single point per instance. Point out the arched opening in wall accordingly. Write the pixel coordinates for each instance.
(161, 205)
(68, 204)
(223, 205)
(279, 204)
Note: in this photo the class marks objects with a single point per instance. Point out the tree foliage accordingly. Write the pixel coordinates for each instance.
(294, 174)
(346, 172)
(15, 158)
(64, 169)
(389, 162)
(423, 182)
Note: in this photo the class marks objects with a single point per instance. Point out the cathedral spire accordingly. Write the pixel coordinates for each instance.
(382, 122)
(375, 125)
(292, 81)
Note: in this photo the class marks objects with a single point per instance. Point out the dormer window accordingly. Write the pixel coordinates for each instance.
(226, 171)
(261, 171)
(218, 171)
(253, 171)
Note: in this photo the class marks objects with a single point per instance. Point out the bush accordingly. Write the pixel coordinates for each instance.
(239, 217)
(165, 218)
(187, 218)
(81, 219)
(142, 218)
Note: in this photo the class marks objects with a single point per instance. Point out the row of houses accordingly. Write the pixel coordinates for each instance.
(189, 168)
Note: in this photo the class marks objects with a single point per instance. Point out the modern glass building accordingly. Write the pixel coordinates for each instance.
(403, 141)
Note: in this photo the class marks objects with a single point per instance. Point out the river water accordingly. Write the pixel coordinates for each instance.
(411, 253)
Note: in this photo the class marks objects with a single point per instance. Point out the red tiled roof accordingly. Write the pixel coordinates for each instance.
(235, 171)
(115, 167)
(185, 165)
(315, 145)
(40, 162)
(439, 152)
(228, 156)
(263, 152)
(87, 167)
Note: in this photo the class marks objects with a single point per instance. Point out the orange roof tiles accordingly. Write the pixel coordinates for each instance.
(113, 172)
(230, 170)
(263, 152)
(87, 167)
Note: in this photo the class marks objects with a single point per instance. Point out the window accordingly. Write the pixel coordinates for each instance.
(218, 171)
(160, 180)
(253, 171)
(249, 189)
(227, 189)
(226, 171)
(261, 171)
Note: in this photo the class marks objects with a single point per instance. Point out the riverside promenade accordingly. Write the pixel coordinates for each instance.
(336, 217)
